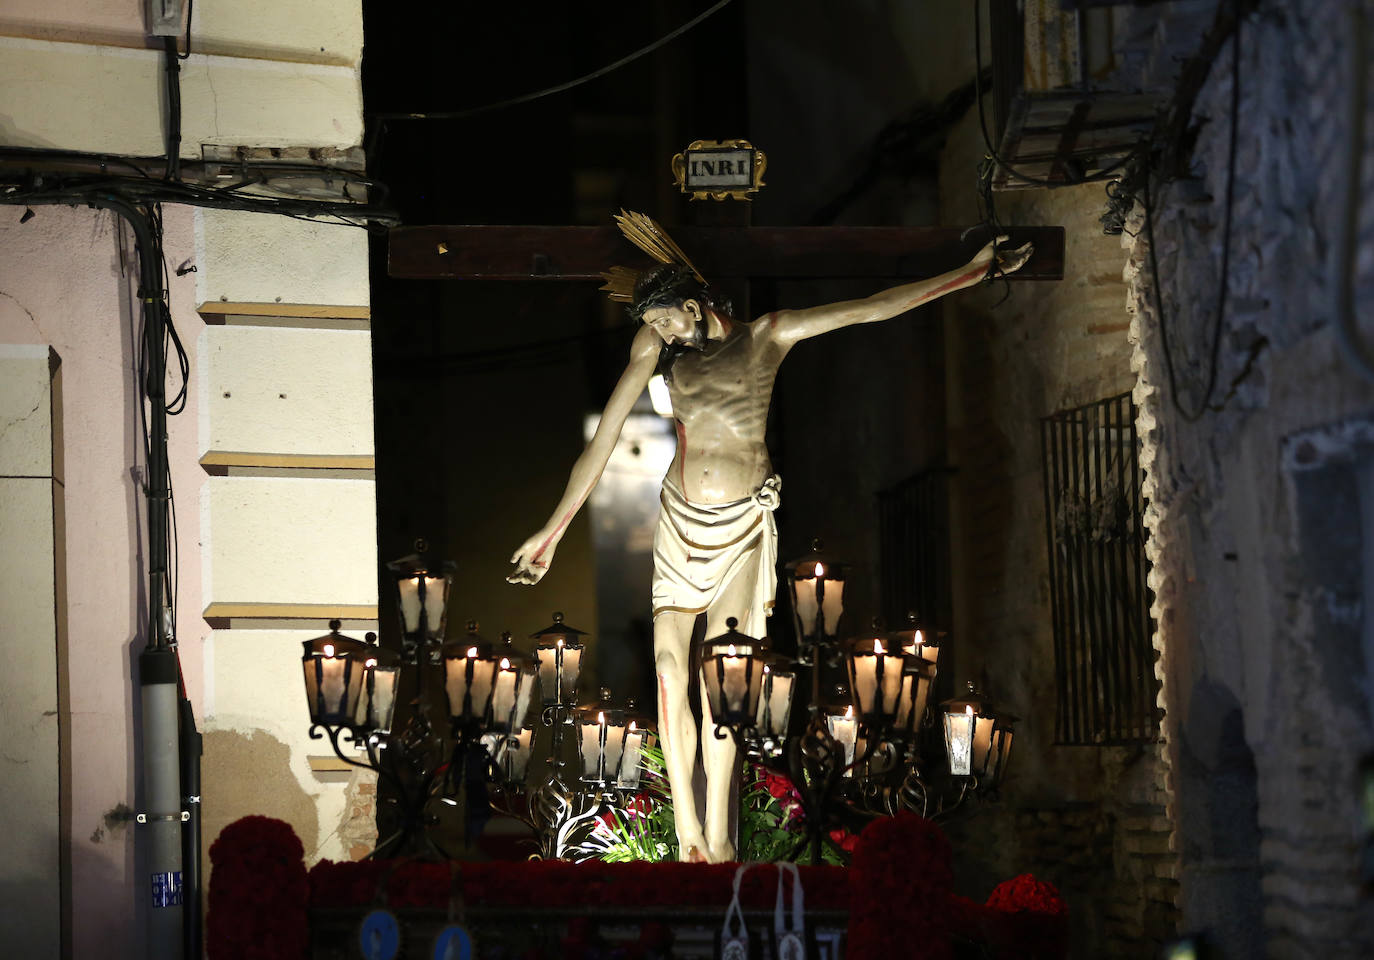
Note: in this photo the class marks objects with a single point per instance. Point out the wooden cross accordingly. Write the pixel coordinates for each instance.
(730, 253)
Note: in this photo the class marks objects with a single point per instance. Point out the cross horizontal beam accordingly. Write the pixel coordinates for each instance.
(581, 253)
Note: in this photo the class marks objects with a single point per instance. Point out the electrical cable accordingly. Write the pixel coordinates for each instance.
(1103, 174)
(1347, 326)
(1193, 416)
(558, 88)
(173, 75)
(190, 9)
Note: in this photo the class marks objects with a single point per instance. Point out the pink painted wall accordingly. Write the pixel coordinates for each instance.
(64, 282)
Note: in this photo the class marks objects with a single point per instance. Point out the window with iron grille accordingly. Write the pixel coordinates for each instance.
(1104, 661)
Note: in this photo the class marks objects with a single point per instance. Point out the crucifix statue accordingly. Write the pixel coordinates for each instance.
(715, 548)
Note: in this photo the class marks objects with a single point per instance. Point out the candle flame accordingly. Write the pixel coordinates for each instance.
(878, 647)
(820, 569)
(472, 651)
(632, 726)
(849, 712)
(560, 642)
(920, 638)
(371, 662)
(732, 650)
(969, 710)
(329, 649)
(600, 718)
(505, 664)
(765, 669)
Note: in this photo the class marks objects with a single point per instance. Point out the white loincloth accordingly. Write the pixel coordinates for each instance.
(699, 548)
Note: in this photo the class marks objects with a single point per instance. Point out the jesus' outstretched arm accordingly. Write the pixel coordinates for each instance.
(790, 326)
(533, 557)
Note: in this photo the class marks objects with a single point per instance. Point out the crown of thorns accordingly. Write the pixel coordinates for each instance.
(623, 283)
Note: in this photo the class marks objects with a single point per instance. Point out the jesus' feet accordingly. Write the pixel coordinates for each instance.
(692, 847)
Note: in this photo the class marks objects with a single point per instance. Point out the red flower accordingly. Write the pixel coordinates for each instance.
(258, 893)
(845, 840)
(1026, 893)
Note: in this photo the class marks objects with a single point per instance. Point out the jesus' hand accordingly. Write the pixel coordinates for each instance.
(1008, 261)
(532, 559)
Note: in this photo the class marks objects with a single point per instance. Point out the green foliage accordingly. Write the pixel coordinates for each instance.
(768, 832)
(635, 834)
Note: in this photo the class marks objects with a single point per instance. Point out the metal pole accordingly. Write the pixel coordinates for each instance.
(159, 674)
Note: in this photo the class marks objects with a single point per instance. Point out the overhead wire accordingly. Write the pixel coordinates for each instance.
(557, 88)
(1214, 351)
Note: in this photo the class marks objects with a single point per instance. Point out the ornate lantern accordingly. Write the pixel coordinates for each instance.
(422, 595)
(732, 669)
(559, 653)
(875, 677)
(381, 673)
(333, 666)
(469, 678)
(601, 732)
(816, 582)
(977, 738)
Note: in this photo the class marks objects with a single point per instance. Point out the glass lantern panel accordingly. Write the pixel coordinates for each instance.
(409, 591)
(775, 703)
(959, 742)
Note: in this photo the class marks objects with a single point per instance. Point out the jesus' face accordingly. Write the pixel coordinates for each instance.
(675, 323)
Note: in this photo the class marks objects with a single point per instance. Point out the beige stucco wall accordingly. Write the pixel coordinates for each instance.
(79, 76)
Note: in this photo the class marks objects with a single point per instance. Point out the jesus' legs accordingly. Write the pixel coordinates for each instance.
(677, 729)
(717, 754)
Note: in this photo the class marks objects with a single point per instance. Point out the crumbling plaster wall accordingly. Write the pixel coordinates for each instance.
(1256, 507)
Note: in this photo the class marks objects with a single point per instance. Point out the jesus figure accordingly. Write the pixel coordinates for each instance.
(715, 548)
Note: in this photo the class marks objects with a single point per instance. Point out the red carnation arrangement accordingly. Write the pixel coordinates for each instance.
(900, 881)
(1026, 893)
(1024, 917)
(258, 893)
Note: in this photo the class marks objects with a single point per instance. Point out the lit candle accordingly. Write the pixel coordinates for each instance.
(410, 603)
(332, 681)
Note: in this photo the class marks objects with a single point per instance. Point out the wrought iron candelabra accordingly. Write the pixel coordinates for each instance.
(860, 758)
(483, 757)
